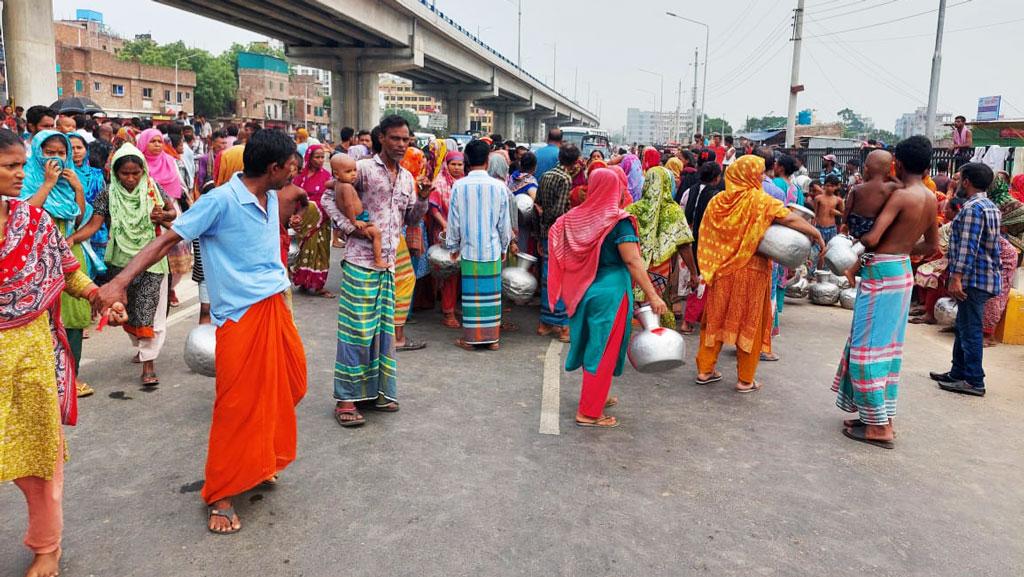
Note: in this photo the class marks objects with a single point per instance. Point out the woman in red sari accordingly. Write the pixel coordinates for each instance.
(440, 196)
(314, 230)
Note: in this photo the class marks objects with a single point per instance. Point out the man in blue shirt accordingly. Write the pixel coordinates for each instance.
(260, 361)
(479, 228)
(974, 270)
(547, 157)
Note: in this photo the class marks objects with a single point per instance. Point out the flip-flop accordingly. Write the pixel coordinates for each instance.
(493, 346)
(769, 357)
(922, 321)
(389, 407)
(597, 424)
(338, 412)
(858, 424)
(714, 378)
(150, 380)
(753, 388)
(857, 434)
(229, 514)
(411, 345)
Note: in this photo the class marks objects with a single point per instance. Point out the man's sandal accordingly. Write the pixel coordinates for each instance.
(358, 421)
(229, 514)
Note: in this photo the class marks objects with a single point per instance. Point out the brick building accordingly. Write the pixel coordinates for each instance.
(397, 92)
(264, 90)
(87, 30)
(307, 104)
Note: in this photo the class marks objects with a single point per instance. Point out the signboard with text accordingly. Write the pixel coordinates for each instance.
(988, 107)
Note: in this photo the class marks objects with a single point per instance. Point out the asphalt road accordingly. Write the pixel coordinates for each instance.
(696, 480)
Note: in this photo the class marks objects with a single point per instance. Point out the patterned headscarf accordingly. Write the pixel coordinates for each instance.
(736, 219)
(652, 158)
(662, 222)
(635, 176)
(414, 161)
(130, 227)
(228, 163)
(1017, 187)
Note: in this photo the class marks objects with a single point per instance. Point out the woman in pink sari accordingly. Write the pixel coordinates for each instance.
(440, 196)
(314, 231)
(163, 168)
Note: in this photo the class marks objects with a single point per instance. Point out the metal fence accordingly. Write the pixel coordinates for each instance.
(812, 157)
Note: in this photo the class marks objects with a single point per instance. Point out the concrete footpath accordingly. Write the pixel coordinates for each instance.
(483, 473)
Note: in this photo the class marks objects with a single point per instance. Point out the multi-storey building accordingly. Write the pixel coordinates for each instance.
(916, 122)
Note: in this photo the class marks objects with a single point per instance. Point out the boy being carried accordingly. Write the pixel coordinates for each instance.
(343, 167)
(865, 201)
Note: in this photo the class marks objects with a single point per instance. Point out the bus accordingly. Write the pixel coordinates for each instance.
(575, 134)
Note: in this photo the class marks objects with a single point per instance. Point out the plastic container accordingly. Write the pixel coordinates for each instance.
(1010, 329)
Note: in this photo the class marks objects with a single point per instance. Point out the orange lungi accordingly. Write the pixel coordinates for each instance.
(261, 377)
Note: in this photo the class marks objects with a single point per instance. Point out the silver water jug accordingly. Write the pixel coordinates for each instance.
(200, 348)
(843, 252)
(799, 289)
(840, 281)
(517, 282)
(785, 246)
(525, 206)
(847, 297)
(441, 263)
(801, 210)
(823, 291)
(945, 311)
(655, 349)
(293, 251)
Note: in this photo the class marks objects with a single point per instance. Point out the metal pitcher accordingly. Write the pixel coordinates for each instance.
(517, 282)
(843, 252)
(655, 349)
(785, 246)
(200, 348)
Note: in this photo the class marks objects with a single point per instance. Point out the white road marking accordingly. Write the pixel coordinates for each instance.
(550, 395)
(186, 290)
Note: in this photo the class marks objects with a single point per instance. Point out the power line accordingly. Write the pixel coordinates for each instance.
(841, 14)
(829, 80)
(893, 21)
(732, 28)
(872, 74)
(758, 51)
(717, 92)
(930, 35)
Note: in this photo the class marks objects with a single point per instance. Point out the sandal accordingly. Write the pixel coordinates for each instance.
(605, 422)
(859, 434)
(389, 407)
(339, 412)
(563, 334)
(83, 390)
(769, 357)
(753, 388)
(150, 380)
(462, 344)
(714, 378)
(449, 321)
(493, 346)
(229, 514)
(270, 482)
(611, 402)
(922, 321)
(411, 345)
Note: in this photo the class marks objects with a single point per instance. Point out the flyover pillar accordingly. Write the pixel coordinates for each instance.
(355, 94)
(533, 128)
(458, 110)
(338, 117)
(31, 51)
(504, 121)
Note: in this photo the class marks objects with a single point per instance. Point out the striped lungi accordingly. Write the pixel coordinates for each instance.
(867, 380)
(365, 366)
(481, 301)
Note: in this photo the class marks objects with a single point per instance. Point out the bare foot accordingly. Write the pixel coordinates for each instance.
(45, 565)
(326, 294)
(221, 524)
(988, 342)
(879, 432)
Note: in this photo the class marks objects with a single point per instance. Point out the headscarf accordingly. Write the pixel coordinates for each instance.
(441, 191)
(652, 158)
(60, 204)
(437, 157)
(675, 166)
(162, 166)
(1017, 187)
(312, 182)
(497, 166)
(124, 134)
(228, 163)
(91, 177)
(635, 176)
(130, 227)
(578, 194)
(414, 161)
(662, 225)
(574, 241)
(736, 219)
(301, 135)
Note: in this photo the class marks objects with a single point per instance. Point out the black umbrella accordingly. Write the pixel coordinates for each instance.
(76, 105)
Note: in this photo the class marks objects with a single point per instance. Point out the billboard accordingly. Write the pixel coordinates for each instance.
(988, 107)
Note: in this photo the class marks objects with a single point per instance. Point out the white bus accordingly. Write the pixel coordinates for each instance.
(575, 134)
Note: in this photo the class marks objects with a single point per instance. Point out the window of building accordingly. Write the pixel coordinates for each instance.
(270, 85)
(188, 96)
(167, 94)
(117, 89)
(79, 86)
(179, 98)
(147, 93)
(280, 86)
(96, 87)
(60, 92)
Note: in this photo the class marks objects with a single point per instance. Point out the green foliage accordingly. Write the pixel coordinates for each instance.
(720, 125)
(408, 115)
(884, 136)
(764, 123)
(216, 76)
(853, 124)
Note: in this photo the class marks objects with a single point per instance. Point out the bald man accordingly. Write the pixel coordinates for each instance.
(865, 201)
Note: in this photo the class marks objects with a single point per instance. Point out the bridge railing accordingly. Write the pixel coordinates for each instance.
(429, 4)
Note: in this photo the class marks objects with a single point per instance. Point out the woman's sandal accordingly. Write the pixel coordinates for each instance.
(150, 380)
(389, 407)
(358, 421)
(451, 322)
(605, 422)
(229, 514)
(83, 389)
(611, 402)
(752, 388)
(714, 378)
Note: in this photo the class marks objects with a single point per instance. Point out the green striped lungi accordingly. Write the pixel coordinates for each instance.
(481, 301)
(365, 367)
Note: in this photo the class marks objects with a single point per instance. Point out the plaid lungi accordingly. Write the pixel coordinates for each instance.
(481, 301)
(365, 367)
(867, 380)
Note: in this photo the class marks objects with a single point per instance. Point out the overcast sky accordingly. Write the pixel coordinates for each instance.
(873, 56)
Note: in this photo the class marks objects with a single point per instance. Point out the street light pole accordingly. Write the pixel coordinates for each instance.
(661, 105)
(704, 90)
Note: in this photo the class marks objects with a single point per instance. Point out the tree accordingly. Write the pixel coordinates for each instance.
(885, 136)
(764, 123)
(853, 124)
(720, 125)
(408, 115)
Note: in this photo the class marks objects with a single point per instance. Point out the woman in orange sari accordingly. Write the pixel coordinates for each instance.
(738, 309)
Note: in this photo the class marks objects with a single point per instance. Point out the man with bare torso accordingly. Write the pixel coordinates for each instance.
(867, 381)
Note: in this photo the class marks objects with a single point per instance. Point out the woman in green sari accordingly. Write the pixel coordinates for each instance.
(663, 234)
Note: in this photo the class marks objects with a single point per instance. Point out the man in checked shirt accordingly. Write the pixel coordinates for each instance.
(553, 202)
(974, 270)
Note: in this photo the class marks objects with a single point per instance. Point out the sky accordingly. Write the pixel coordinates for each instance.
(873, 56)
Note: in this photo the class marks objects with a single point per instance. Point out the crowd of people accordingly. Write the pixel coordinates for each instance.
(104, 219)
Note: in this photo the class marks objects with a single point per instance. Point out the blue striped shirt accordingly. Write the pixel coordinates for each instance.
(478, 217)
(974, 245)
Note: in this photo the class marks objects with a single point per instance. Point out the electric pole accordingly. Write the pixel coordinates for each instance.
(694, 104)
(676, 127)
(933, 89)
(794, 79)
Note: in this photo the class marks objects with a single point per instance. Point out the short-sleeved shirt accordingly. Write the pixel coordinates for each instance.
(241, 249)
(547, 158)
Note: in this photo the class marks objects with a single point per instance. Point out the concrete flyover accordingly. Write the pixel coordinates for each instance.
(359, 39)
